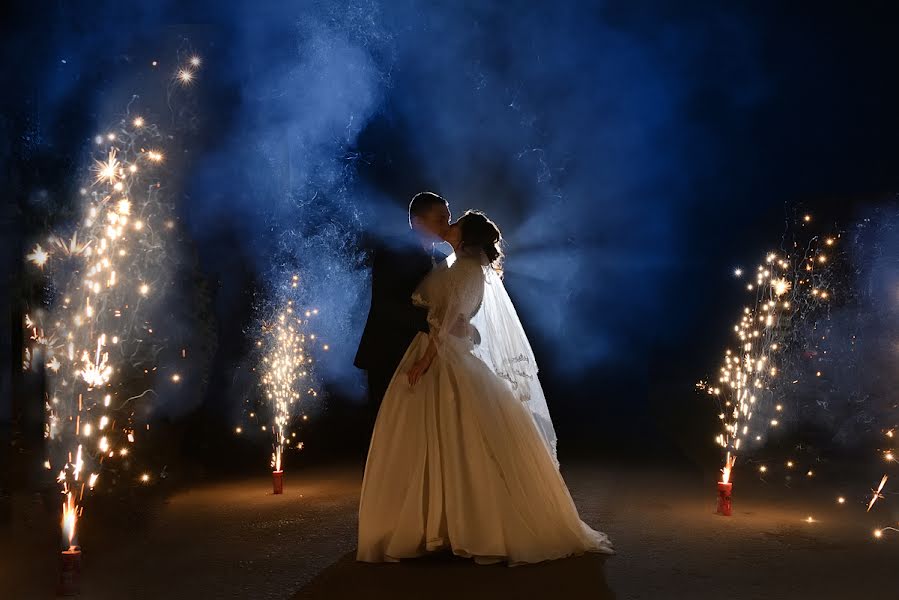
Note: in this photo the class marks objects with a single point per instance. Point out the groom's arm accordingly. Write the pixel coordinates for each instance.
(390, 292)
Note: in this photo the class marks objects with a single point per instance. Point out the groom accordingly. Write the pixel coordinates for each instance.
(398, 267)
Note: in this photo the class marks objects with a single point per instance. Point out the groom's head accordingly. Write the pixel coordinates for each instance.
(429, 214)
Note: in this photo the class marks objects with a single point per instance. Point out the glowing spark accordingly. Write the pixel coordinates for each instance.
(185, 76)
(877, 493)
(107, 171)
(38, 256)
(781, 286)
(138, 122)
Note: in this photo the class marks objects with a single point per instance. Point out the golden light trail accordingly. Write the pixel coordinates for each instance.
(727, 468)
(877, 493)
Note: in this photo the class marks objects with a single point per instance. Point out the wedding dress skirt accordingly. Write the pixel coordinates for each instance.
(457, 462)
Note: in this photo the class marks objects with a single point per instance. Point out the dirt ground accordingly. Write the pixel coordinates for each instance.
(234, 539)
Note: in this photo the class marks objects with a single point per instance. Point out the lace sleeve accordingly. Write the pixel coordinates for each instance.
(451, 295)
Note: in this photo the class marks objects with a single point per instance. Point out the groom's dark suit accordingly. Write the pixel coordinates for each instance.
(398, 266)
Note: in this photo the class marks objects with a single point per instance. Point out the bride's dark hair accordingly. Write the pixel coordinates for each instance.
(479, 232)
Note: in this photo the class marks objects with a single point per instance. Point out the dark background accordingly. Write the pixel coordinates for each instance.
(632, 153)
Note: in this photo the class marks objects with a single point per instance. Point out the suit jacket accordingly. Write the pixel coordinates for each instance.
(393, 321)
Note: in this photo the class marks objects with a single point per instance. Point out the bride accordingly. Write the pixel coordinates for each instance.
(463, 451)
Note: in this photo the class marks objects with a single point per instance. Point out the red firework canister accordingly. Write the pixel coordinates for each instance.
(278, 482)
(70, 572)
(725, 507)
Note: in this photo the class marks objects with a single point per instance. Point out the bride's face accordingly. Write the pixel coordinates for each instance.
(453, 234)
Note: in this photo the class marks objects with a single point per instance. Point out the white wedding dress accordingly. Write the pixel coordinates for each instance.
(465, 459)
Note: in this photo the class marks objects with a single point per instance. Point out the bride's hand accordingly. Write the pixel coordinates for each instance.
(420, 367)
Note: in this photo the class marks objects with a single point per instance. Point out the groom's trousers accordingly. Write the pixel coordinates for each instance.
(378, 380)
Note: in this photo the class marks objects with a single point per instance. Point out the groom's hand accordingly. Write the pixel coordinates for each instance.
(420, 367)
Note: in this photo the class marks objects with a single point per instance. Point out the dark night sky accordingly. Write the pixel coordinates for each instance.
(633, 153)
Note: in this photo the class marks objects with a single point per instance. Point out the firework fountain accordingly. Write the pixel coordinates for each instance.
(790, 286)
(94, 338)
(812, 356)
(285, 366)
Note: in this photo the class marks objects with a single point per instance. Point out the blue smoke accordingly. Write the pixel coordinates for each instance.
(577, 127)
(573, 134)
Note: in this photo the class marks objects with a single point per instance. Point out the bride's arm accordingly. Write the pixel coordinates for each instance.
(453, 325)
(422, 365)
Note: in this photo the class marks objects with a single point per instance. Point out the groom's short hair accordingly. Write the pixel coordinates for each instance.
(422, 202)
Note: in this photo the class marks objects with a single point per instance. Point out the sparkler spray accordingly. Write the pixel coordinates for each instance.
(106, 271)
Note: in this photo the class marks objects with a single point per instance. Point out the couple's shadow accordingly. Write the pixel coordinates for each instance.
(447, 576)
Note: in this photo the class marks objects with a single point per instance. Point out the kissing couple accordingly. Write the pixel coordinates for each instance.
(463, 453)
